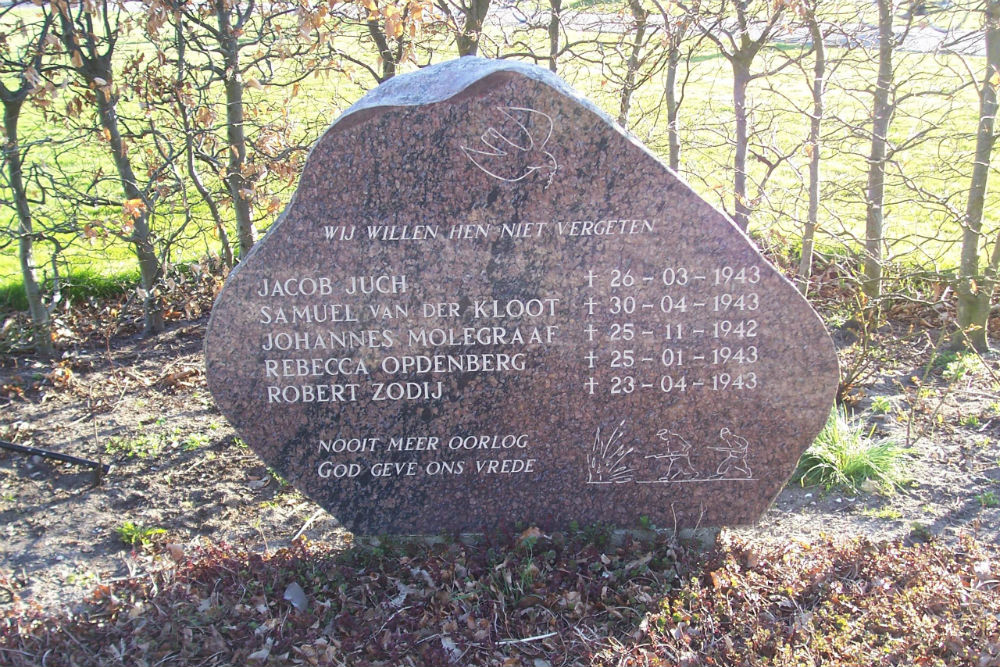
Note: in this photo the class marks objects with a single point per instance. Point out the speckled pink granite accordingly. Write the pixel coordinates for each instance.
(618, 350)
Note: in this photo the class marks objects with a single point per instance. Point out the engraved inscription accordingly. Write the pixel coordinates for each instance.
(682, 331)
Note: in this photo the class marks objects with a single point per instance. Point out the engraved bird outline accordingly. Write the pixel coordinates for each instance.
(506, 152)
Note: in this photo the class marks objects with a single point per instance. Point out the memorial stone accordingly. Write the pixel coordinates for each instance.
(486, 304)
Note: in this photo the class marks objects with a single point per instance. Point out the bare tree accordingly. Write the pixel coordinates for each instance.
(569, 34)
(677, 24)
(819, 29)
(194, 141)
(975, 285)
(554, 29)
(25, 66)
(394, 27)
(882, 109)
(244, 45)
(741, 30)
(90, 33)
(905, 100)
(641, 60)
(630, 54)
(466, 19)
(818, 88)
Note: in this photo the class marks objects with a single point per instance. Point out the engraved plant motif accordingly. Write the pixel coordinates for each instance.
(606, 460)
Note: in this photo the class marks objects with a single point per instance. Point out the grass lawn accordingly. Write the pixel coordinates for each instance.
(933, 127)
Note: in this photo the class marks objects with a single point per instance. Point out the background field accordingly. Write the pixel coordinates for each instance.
(933, 126)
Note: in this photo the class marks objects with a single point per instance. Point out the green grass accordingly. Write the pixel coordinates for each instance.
(845, 456)
(888, 513)
(961, 367)
(918, 235)
(606, 6)
(195, 441)
(141, 446)
(971, 421)
(881, 405)
(988, 499)
(82, 284)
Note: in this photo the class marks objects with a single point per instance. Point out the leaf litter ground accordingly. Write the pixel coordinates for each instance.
(909, 578)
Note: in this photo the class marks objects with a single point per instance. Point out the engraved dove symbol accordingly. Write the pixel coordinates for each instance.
(515, 154)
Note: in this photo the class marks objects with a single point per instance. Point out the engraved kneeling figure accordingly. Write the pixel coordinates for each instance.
(734, 466)
(677, 454)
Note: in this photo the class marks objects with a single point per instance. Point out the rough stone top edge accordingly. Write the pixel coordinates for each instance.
(442, 81)
(439, 82)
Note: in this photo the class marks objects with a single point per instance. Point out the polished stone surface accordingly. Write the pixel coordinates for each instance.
(487, 305)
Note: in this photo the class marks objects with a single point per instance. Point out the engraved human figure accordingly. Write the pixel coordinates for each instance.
(735, 448)
(678, 452)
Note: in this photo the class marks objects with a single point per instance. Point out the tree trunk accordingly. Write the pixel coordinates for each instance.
(474, 16)
(81, 40)
(554, 19)
(385, 53)
(815, 126)
(149, 264)
(41, 328)
(235, 180)
(741, 204)
(640, 15)
(975, 288)
(226, 249)
(673, 136)
(881, 117)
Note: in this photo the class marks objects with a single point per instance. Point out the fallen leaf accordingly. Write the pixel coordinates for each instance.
(532, 534)
(295, 595)
(261, 654)
(176, 551)
(448, 644)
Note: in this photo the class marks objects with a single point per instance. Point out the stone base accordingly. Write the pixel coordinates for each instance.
(701, 539)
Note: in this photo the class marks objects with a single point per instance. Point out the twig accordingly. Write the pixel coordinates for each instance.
(77, 642)
(66, 458)
(306, 525)
(527, 639)
(14, 650)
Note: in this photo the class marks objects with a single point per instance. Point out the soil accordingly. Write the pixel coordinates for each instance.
(178, 469)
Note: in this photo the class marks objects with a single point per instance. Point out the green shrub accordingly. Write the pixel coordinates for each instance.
(138, 535)
(881, 405)
(142, 446)
(961, 367)
(988, 499)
